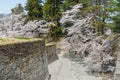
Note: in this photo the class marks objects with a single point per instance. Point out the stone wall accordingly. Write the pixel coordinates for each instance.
(51, 52)
(23, 61)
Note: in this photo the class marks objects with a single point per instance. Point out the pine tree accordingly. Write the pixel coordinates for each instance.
(51, 9)
(116, 18)
(34, 9)
(101, 11)
(52, 12)
(68, 3)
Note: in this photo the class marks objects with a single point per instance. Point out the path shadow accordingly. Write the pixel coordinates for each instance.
(73, 57)
(79, 61)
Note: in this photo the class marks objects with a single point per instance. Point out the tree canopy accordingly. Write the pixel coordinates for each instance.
(103, 11)
(34, 9)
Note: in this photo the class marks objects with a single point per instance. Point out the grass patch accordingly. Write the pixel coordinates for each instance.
(25, 38)
(3, 40)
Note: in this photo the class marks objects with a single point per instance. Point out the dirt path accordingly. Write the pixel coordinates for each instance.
(61, 69)
(66, 69)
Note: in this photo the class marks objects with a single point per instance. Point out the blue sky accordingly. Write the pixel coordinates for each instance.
(7, 5)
